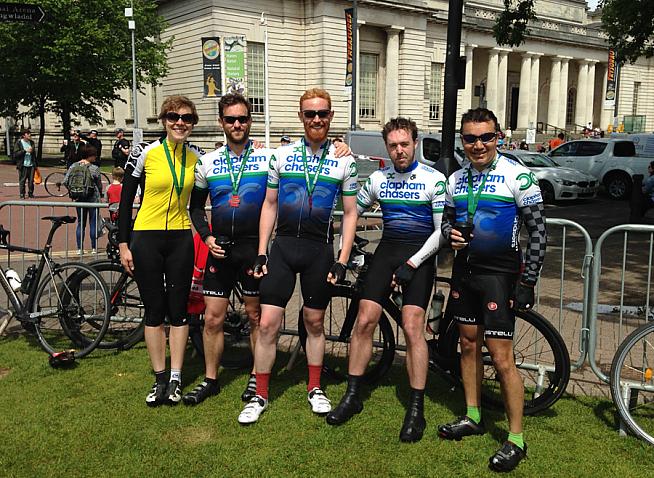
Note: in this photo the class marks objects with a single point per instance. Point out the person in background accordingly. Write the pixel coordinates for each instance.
(25, 162)
(558, 141)
(524, 146)
(93, 140)
(114, 191)
(648, 190)
(71, 148)
(285, 140)
(120, 151)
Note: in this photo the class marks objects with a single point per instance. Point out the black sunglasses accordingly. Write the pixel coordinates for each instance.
(233, 119)
(484, 138)
(187, 118)
(311, 114)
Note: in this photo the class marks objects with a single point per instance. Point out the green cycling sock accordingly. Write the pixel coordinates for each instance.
(517, 439)
(474, 414)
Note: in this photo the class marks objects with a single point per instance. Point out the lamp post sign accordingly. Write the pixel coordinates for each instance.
(21, 12)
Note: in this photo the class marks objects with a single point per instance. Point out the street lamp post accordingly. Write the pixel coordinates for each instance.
(131, 24)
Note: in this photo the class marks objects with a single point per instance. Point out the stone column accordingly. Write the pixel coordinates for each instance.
(582, 93)
(391, 100)
(590, 102)
(524, 94)
(468, 93)
(534, 89)
(606, 115)
(553, 117)
(491, 80)
(502, 72)
(563, 91)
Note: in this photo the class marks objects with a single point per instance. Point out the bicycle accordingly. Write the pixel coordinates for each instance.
(541, 354)
(54, 183)
(68, 307)
(632, 382)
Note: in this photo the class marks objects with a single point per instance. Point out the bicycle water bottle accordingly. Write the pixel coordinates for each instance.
(13, 278)
(30, 275)
(437, 303)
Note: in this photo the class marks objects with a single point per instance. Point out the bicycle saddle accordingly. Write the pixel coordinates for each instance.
(60, 219)
(360, 242)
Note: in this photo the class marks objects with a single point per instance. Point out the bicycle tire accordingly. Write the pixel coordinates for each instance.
(633, 366)
(66, 319)
(237, 353)
(127, 321)
(105, 181)
(337, 345)
(54, 184)
(535, 338)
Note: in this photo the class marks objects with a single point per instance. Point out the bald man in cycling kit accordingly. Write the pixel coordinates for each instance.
(412, 196)
(303, 184)
(487, 201)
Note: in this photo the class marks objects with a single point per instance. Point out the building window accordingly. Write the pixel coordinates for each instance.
(130, 102)
(435, 83)
(154, 102)
(570, 106)
(634, 103)
(369, 68)
(256, 77)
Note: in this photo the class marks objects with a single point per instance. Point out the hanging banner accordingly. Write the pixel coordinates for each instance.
(235, 64)
(211, 67)
(348, 34)
(611, 81)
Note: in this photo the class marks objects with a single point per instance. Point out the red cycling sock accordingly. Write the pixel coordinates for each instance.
(314, 377)
(262, 384)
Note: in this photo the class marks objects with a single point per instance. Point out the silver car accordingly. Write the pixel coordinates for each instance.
(556, 182)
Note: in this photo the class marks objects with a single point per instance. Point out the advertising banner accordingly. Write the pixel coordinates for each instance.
(211, 67)
(611, 81)
(235, 64)
(348, 59)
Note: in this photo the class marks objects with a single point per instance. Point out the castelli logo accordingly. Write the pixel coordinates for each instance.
(455, 294)
(492, 306)
(212, 269)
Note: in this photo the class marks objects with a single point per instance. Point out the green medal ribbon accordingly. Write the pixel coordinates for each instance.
(236, 181)
(473, 199)
(178, 185)
(311, 185)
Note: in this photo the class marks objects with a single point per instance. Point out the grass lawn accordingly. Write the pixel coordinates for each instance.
(92, 421)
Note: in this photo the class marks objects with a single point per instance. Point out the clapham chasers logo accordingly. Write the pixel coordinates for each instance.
(526, 180)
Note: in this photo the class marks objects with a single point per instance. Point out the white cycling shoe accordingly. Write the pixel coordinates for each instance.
(252, 410)
(320, 404)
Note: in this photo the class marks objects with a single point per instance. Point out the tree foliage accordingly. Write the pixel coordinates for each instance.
(511, 25)
(630, 27)
(79, 57)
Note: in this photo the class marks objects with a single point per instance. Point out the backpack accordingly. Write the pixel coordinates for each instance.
(80, 182)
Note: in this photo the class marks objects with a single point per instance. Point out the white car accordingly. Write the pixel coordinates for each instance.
(556, 182)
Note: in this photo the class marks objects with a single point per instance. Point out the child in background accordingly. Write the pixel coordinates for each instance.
(114, 191)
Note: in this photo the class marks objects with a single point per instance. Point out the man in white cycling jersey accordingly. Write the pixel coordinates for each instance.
(411, 196)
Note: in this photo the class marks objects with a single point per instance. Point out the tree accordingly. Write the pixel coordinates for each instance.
(511, 25)
(78, 58)
(630, 27)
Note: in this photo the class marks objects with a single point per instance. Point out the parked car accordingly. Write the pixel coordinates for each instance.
(556, 182)
(612, 161)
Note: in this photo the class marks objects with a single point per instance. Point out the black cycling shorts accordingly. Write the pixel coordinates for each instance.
(296, 255)
(387, 258)
(483, 299)
(163, 268)
(221, 274)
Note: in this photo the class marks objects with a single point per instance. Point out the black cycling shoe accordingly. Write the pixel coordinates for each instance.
(414, 426)
(461, 427)
(200, 393)
(507, 457)
(349, 406)
(250, 389)
(157, 395)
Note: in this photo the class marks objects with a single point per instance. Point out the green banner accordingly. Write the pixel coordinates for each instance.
(235, 64)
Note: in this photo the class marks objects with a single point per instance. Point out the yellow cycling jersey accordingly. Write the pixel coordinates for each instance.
(165, 194)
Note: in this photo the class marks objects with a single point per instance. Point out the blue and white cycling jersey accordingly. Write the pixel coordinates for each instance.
(297, 215)
(509, 186)
(411, 201)
(212, 173)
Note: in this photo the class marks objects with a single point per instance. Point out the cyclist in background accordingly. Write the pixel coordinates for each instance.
(486, 203)
(303, 183)
(412, 197)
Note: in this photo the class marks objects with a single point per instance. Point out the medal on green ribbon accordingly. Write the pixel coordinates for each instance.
(311, 184)
(473, 199)
(179, 185)
(235, 200)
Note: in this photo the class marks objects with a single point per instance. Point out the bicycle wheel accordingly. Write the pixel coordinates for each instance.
(127, 321)
(72, 309)
(541, 358)
(632, 382)
(106, 182)
(54, 184)
(237, 353)
(341, 312)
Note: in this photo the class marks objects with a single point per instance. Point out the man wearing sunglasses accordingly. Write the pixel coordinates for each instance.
(304, 181)
(487, 201)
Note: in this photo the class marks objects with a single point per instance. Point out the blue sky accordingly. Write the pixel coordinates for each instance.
(592, 4)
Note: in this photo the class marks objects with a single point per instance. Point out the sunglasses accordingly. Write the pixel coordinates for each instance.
(234, 119)
(311, 114)
(484, 138)
(187, 118)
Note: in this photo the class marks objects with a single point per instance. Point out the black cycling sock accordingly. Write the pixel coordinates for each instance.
(211, 381)
(417, 399)
(353, 384)
(160, 377)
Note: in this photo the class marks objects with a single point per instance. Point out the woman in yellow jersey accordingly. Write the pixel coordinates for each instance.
(158, 249)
